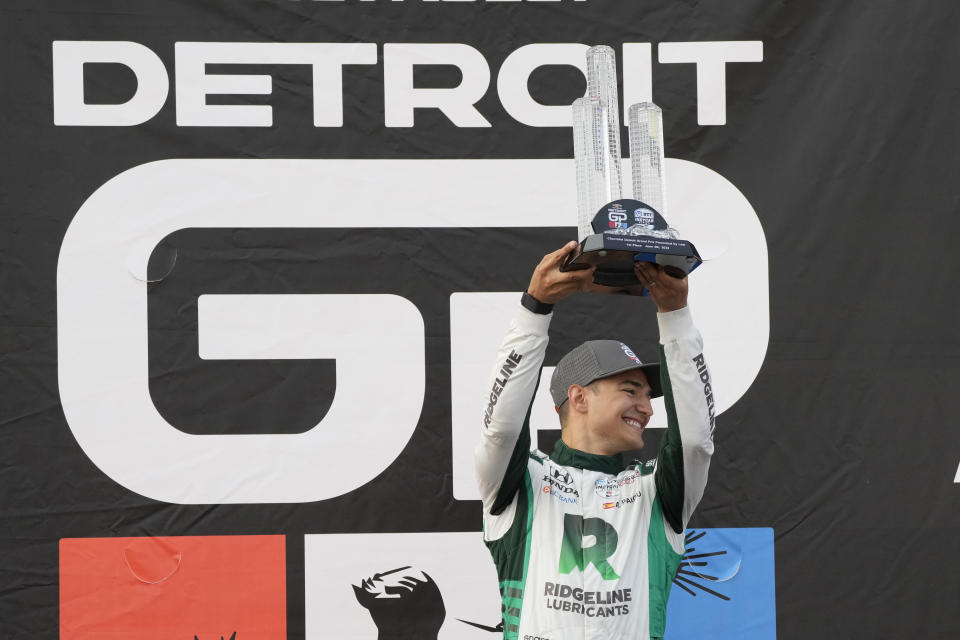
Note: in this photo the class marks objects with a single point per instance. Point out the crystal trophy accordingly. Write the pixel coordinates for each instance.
(615, 231)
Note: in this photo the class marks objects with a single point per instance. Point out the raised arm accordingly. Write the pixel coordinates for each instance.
(684, 458)
(501, 455)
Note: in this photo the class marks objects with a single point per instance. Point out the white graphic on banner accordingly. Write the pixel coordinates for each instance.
(194, 84)
(69, 107)
(711, 59)
(102, 313)
(425, 585)
(514, 80)
(401, 97)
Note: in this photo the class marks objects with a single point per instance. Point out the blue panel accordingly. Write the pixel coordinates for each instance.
(725, 589)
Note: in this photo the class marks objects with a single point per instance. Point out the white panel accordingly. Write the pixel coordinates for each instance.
(458, 564)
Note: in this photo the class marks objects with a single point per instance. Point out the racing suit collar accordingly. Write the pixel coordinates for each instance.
(569, 457)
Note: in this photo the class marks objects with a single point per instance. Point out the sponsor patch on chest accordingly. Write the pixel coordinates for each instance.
(607, 487)
(610, 487)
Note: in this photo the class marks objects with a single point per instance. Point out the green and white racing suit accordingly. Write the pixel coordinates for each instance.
(586, 549)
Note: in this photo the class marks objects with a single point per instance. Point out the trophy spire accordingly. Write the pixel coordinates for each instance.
(602, 84)
(646, 155)
(596, 138)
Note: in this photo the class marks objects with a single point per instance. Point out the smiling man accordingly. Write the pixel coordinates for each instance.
(585, 546)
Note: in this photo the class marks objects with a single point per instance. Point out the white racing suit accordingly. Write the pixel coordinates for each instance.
(586, 549)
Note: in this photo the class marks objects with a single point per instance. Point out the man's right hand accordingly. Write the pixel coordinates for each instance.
(550, 285)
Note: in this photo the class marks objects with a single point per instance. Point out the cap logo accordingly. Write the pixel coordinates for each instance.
(629, 353)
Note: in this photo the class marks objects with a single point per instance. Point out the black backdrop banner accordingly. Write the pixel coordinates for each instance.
(255, 254)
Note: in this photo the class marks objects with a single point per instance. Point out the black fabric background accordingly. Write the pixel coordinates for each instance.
(843, 139)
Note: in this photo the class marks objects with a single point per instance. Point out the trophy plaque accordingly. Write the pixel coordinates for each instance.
(616, 231)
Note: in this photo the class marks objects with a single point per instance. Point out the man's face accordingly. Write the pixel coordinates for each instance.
(618, 411)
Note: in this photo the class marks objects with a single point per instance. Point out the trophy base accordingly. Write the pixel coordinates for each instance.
(613, 256)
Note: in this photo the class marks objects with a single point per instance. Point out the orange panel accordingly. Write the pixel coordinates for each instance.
(173, 588)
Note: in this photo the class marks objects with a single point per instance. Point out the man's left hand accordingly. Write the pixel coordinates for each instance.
(667, 292)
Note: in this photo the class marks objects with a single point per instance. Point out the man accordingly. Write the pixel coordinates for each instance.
(584, 547)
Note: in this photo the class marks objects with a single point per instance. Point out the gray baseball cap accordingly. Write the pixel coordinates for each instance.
(597, 359)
